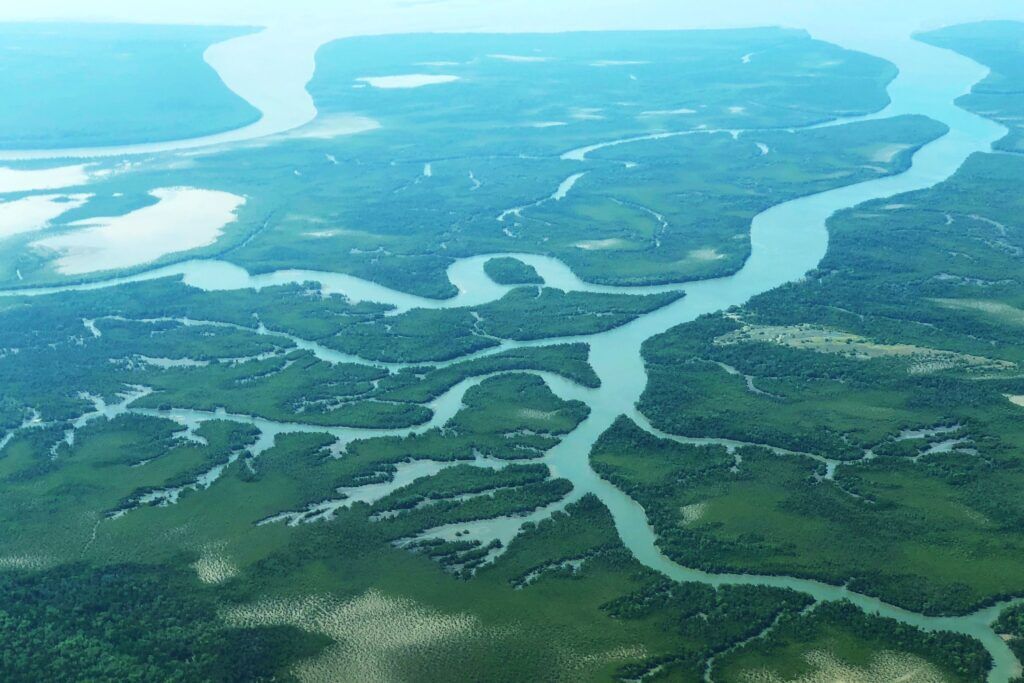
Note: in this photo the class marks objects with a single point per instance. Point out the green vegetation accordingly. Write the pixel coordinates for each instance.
(533, 599)
(717, 617)
(506, 270)
(101, 85)
(684, 210)
(133, 623)
(660, 211)
(206, 350)
(53, 504)
(999, 45)
(422, 384)
(563, 599)
(460, 480)
(188, 464)
(1011, 624)
(127, 439)
(299, 388)
(524, 314)
(904, 356)
(837, 641)
(292, 388)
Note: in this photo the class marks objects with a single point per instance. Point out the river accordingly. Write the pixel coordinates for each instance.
(787, 240)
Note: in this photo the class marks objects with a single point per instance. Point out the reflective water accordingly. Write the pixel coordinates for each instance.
(787, 240)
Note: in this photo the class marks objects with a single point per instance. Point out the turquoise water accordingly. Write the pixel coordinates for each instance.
(154, 82)
(787, 241)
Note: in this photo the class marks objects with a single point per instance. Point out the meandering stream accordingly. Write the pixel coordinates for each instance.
(786, 241)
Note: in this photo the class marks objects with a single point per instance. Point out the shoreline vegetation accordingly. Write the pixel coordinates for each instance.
(316, 483)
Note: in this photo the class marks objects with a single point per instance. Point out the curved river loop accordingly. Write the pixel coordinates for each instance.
(787, 240)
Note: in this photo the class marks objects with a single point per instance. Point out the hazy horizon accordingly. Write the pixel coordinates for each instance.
(512, 340)
(348, 18)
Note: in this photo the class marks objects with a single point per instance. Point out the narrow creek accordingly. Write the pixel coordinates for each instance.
(787, 240)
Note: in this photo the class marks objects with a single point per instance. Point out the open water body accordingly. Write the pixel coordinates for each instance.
(787, 241)
(274, 86)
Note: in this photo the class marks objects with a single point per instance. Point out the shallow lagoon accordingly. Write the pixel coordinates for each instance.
(22, 180)
(183, 218)
(34, 213)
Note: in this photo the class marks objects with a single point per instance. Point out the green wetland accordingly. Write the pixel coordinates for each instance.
(648, 388)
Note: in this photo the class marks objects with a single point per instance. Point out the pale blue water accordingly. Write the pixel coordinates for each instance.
(787, 241)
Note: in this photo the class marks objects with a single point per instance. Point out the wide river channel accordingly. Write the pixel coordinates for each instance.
(787, 240)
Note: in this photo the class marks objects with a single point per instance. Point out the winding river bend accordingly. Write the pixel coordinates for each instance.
(787, 241)
(276, 87)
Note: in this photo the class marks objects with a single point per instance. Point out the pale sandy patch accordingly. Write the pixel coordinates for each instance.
(30, 214)
(578, 664)
(587, 114)
(1005, 312)
(737, 110)
(680, 112)
(592, 245)
(213, 567)
(407, 80)
(15, 180)
(887, 153)
(334, 126)
(23, 562)
(305, 218)
(332, 232)
(705, 255)
(1016, 400)
(374, 633)
(617, 62)
(184, 218)
(692, 513)
(519, 58)
(534, 414)
(925, 360)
